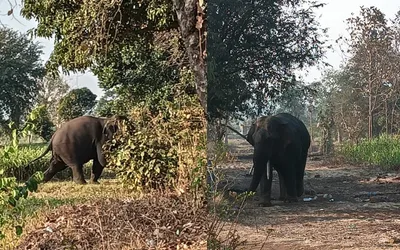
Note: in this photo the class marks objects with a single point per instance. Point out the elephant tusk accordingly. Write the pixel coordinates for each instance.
(268, 171)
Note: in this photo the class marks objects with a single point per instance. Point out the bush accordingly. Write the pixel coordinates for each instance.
(162, 146)
(383, 151)
(13, 161)
(38, 122)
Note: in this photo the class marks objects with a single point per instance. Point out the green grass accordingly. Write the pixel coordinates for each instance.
(383, 151)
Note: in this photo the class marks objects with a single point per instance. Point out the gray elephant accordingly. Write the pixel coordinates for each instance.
(77, 142)
(280, 142)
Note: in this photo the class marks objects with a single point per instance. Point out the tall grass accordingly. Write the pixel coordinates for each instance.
(383, 151)
(13, 162)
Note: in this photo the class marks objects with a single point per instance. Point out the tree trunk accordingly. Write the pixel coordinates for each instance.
(191, 18)
(392, 118)
(311, 128)
(226, 130)
(370, 121)
(386, 115)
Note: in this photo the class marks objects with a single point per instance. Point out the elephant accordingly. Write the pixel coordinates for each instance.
(77, 142)
(280, 142)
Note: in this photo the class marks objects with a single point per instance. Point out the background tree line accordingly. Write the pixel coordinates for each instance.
(29, 96)
(361, 99)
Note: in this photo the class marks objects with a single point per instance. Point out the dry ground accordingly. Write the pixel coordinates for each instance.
(349, 217)
(107, 217)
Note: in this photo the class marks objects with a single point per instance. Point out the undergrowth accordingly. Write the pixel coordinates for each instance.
(224, 206)
(162, 147)
(13, 160)
(383, 151)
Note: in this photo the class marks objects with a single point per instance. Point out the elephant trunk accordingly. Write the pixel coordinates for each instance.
(257, 175)
(261, 164)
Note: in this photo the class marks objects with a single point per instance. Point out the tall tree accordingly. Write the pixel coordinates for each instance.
(371, 40)
(51, 90)
(76, 103)
(20, 69)
(192, 22)
(254, 49)
(87, 32)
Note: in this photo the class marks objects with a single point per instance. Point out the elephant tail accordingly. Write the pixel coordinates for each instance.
(49, 148)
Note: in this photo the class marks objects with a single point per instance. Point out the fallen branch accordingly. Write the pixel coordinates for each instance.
(237, 132)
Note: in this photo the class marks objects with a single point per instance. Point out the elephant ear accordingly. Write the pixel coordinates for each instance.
(286, 133)
(109, 129)
(250, 134)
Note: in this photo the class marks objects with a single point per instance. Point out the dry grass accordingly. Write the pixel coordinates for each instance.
(152, 222)
(63, 215)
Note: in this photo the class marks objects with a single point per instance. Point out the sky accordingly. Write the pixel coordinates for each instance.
(20, 24)
(331, 16)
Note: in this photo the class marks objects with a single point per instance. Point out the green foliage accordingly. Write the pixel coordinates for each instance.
(163, 146)
(360, 99)
(52, 89)
(11, 192)
(254, 49)
(295, 100)
(76, 103)
(13, 158)
(20, 69)
(39, 123)
(131, 72)
(85, 31)
(13, 161)
(147, 158)
(383, 151)
(108, 105)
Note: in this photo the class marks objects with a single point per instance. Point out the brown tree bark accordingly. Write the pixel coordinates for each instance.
(191, 18)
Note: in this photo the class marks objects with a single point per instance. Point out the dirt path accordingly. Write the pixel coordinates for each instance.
(350, 216)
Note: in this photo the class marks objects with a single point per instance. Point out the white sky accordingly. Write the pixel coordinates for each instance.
(332, 16)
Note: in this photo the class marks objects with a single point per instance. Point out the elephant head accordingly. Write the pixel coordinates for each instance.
(111, 126)
(269, 136)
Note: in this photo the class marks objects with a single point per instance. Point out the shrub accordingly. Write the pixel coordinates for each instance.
(162, 146)
(38, 122)
(383, 151)
(13, 161)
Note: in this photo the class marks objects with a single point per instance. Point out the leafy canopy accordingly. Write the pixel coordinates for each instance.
(76, 103)
(85, 30)
(20, 69)
(254, 49)
(39, 122)
(51, 90)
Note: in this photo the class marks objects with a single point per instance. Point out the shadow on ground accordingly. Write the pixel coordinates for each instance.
(355, 207)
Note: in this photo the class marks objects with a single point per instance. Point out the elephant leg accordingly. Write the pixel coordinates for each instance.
(54, 168)
(97, 169)
(289, 177)
(265, 188)
(77, 172)
(300, 176)
(282, 187)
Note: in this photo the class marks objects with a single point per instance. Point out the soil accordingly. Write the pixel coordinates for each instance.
(357, 207)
